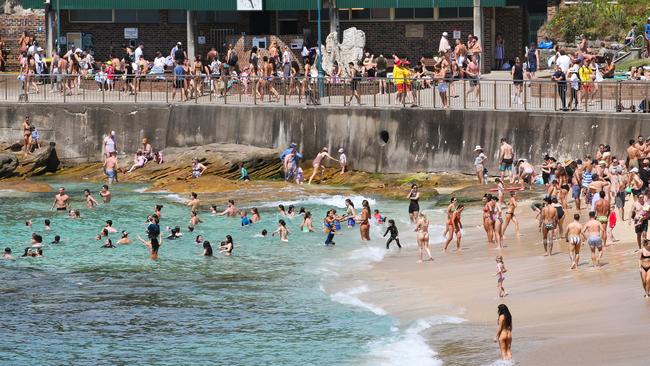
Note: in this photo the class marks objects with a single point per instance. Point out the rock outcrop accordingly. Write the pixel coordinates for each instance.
(8, 165)
(350, 50)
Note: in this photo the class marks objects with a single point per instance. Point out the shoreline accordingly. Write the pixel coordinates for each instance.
(560, 316)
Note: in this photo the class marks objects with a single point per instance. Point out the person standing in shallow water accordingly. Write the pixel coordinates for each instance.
(504, 332)
(422, 228)
(414, 206)
(364, 222)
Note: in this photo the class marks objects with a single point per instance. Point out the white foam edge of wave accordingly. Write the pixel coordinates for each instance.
(408, 347)
(337, 201)
(349, 297)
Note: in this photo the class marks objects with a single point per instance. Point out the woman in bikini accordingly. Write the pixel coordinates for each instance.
(153, 245)
(488, 224)
(364, 223)
(510, 214)
(318, 164)
(451, 207)
(497, 221)
(350, 213)
(504, 332)
(644, 267)
(563, 180)
(422, 228)
(27, 134)
(500, 190)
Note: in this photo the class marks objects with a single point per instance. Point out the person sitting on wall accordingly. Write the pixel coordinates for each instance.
(138, 162)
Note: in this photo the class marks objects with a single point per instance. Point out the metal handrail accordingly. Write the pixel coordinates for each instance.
(426, 91)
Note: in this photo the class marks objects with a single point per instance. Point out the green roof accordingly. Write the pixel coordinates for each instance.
(268, 4)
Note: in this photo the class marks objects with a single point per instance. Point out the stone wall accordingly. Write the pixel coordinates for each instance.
(376, 140)
(11, 28)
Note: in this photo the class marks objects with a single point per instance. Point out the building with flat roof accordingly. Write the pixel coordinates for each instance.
(409, 28)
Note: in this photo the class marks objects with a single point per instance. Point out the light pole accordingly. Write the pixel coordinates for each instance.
(319, 55)
(58, 26)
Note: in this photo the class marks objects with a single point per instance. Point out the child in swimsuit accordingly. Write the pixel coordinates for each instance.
(501, 270)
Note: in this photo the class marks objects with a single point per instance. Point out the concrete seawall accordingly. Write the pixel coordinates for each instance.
(376, 140)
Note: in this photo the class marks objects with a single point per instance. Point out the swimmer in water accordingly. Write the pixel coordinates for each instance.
(207, 249)
(108, 243)
(105, 194)
(195, 220)
(282, 211)
(264, 233)
(329, 228)
(61, 201)
(91, 202)
(102, 234)
(57, 240)
(7, 254)
(306, 225)
(255, 215)
(291, 212)
(153, 245)
(364, 221)
(194, 202)
(173, 235)
(213, 210)
(28, 223)
(227, 246)
(47, 225)
(109, 227)
(230, 211)
(245, 221)
(124, 240)
(350, 213)
(158, 211)
(199, 239)
(282, 231)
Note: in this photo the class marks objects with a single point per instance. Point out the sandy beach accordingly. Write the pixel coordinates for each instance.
(560, 316)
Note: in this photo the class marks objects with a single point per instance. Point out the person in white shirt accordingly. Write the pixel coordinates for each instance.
(138, 52)
(444, 43)
(564, 61)
(286, 62)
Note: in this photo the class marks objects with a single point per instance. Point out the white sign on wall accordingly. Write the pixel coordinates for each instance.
(456, 34)
(259, 42)
(248, 5)
(130, 33)
(201, 39)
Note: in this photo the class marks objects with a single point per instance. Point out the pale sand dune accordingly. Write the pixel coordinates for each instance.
(560, 316)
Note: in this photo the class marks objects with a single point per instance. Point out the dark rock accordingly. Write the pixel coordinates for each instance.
(8, 165)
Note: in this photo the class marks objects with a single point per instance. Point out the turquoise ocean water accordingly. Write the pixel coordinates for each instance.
(266, 305)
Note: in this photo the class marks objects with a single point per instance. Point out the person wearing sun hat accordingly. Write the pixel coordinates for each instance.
(479, 158)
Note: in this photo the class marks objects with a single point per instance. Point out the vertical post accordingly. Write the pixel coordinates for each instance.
(103, 95)
(64, 92)
(525, 96)
(510, 96)
(6, 88)
(374, 99)
(151, 90)
(404, 92)
(255, 91)
(83, 94)
(478, 27)
(539, 89)
(49, 32)
(329, 94)
(586, 103)
(494, 94)
(555, 95)
(285, 86)
(602, 85)
(433, 94)
(319, 55)
(190, 34)
(464, 95)
(135, 94)
(44, 92)
(166, 91)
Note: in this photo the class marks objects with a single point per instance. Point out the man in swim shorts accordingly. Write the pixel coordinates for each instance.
(602, 208)
(61, 201)
(506, 157)
(574, 238)
(593, 231)
(549, 221)
(110, 167)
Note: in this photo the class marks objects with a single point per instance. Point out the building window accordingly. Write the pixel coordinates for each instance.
(148, 16)
(126, 16)
(360, 14)
(288, 22)
(91, 16)
(176, 16)
(324, 15)
(381, 13)
(452, 13)
(411, 13)
(226, 17)
(344, 14)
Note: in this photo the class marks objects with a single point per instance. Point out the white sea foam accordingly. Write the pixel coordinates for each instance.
(408, 347)
(140, 190)
(502, 363)
(328, 201)
(175, 198)
(349, 297)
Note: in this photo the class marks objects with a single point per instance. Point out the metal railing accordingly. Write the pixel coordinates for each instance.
(540, 95)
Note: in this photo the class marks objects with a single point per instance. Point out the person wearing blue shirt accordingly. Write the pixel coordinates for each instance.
(297, 157)
(245, 221)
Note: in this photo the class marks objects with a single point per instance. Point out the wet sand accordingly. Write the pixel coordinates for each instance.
(560, 316)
